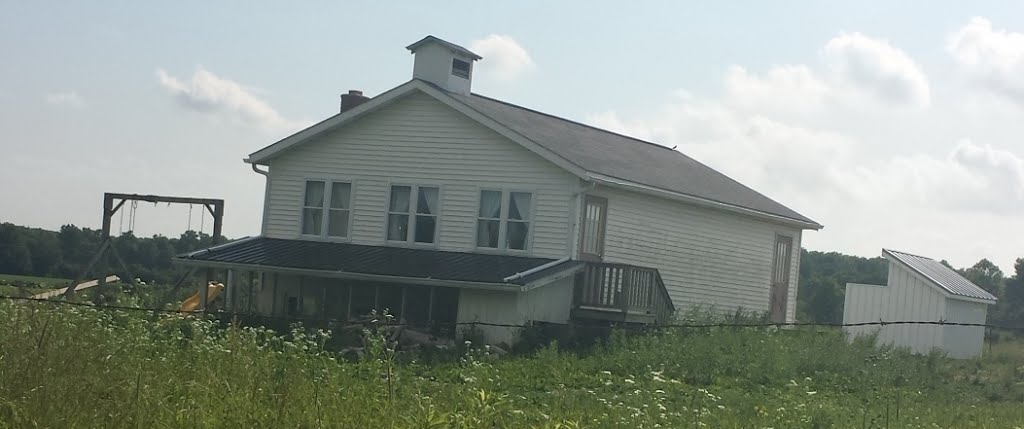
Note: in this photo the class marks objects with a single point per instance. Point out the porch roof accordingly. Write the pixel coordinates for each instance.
(347, 259)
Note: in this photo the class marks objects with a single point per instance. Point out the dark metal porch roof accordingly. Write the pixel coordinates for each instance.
(270, 253)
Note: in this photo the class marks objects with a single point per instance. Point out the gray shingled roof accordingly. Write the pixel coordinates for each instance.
(610, 154)
(941, 275)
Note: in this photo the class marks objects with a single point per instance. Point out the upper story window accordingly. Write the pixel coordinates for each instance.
(503, 221)
(413, 213)
(327, 208)
(460, 68)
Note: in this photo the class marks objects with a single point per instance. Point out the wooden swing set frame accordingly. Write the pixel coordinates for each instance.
(213, 205)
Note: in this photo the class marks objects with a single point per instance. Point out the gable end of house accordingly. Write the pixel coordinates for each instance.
(459, 103)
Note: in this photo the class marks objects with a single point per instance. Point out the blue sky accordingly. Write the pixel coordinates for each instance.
(896, 124)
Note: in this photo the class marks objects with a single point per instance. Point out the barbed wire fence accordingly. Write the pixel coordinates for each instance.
(343, 322)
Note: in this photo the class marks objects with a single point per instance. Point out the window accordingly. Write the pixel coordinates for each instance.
(518, 220)
(460, 68)
(503, 221)
(333, 197)
(313, 208)
(412, 213)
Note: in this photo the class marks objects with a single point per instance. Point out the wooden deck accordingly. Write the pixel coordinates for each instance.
(621, 293)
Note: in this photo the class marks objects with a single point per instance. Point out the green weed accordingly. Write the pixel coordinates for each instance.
(84, 368)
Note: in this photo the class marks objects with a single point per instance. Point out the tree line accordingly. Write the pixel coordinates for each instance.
(65, 253)
(824, 275)
(822, 287)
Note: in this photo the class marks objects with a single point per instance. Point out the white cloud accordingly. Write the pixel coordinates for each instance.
(786, 87)
(859, 73)
(828, 145)
(995, 58)
(873, 66)
(998, 174)
(971, 178)
(811, 165)
(66, 99)
(224, 98)
(504, 58)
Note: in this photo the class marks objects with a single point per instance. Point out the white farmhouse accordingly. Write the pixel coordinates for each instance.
(921, 290)
(443, 206)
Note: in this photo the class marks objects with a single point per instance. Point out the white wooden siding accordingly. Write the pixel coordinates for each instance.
(549, 303)
(906, 298)
(706, 257)
(419, 140)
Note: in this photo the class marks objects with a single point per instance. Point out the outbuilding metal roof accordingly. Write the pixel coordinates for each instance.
(271, 253)
(618, 156)
(941, 275)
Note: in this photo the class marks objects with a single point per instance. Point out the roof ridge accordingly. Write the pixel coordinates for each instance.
(907, 253)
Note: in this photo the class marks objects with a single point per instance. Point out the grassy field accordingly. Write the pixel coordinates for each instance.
(83, 368)
(24, 286)
(50, 282)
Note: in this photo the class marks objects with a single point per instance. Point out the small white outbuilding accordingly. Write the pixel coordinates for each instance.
(920, 289)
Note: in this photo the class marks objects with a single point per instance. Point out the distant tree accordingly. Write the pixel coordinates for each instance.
(66, 253)
(986, 275)
(823, 279)
(15, 256)
(1014, 291)
(1010, 309)
(46, 252)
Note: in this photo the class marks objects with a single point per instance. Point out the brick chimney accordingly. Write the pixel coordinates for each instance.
(352, 99)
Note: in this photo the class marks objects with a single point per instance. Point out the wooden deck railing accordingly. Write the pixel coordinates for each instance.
(628, 290)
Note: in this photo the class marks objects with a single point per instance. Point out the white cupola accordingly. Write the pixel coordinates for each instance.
(444, 64)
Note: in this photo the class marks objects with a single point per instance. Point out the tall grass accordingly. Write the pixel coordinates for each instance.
(86, 368)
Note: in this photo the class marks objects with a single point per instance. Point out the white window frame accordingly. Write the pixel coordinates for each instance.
(325, 220)
(506, 195)
(414, 190)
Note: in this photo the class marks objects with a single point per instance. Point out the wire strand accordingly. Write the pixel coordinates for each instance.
(341, 323)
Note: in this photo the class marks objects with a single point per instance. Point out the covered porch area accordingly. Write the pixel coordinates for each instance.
(333, 281)
(315, 298)
(439, 290)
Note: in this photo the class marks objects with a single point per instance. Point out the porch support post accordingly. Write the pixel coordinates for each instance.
(273, 298)
(401, 308)
(229, 292)
(323, 300)
(430, 307)
(348, 303)
(251, 295)
(302, 296)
